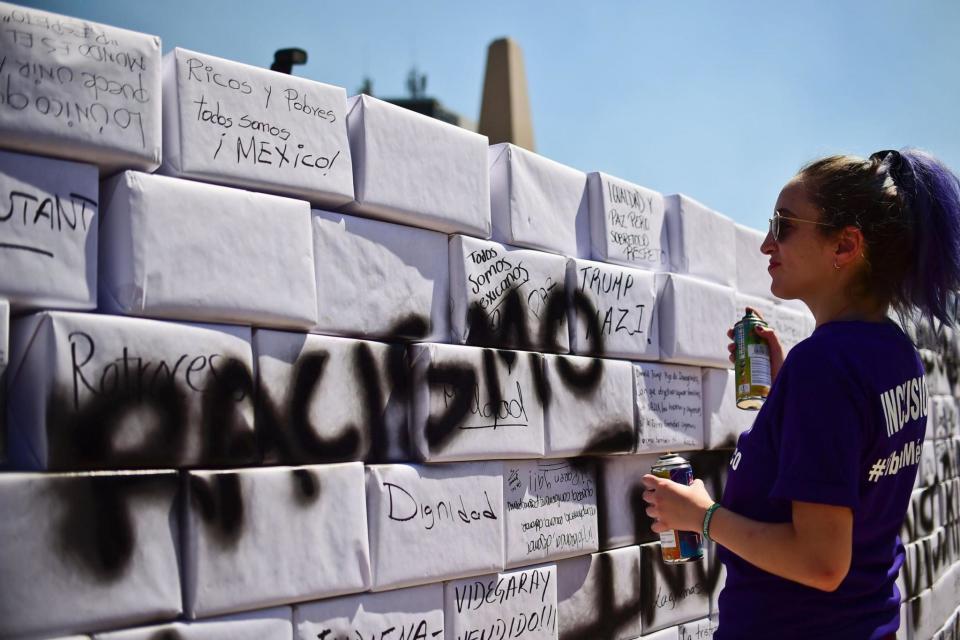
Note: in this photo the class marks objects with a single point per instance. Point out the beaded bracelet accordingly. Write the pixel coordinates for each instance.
(707, 517)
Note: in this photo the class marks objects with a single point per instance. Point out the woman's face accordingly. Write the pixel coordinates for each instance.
(802, 260)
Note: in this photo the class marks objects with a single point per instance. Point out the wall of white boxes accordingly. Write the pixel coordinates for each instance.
(286, 364)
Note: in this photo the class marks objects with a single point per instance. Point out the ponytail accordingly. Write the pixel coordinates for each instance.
(933, 199)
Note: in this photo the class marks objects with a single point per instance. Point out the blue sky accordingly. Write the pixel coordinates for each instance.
(723, 101)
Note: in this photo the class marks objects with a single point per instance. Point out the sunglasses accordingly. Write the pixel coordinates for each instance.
(780, 231)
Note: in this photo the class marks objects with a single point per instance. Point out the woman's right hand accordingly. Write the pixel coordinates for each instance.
(773, 343)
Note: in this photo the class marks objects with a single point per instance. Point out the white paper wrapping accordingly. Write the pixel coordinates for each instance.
(79, 90)
(790, 323)
(48, 232)
(669, 407)
(914, 573)
(672, 594)
(324, 399)
(550, 509)
(702, 241)
(627, 223)
(261, 537)
(944, 416)
(82, 552)
(622, 511)
(266, 624)
(752, 276)
(792, 326)
(424, 519)
(95, 391)
(723, 422)
(938, 554)
(506, 297)
(599, 595)
(470, 403)
(416, 170)
(613, 311)
(694, 316)
(512, 604)
(537, 202)
(186, 250)
(235, 124)
(377, 279)
(702, 629)
(411, 613)
(590, 409)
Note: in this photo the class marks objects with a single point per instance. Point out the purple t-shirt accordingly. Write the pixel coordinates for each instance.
(843, 425)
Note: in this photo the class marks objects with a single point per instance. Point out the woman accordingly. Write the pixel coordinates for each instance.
(818, 487)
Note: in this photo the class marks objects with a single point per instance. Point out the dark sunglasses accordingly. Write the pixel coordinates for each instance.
(780, 231)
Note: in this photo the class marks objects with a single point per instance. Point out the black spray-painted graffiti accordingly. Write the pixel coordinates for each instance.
(84, 435)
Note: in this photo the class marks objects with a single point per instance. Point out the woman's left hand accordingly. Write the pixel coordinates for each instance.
(675, 506)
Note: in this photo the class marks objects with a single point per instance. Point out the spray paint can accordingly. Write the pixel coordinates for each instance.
(677, 546)
(752, 363)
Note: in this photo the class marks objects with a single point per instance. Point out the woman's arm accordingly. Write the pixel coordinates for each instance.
(814, 549)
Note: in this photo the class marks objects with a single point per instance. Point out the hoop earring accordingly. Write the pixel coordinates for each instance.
(836, 266)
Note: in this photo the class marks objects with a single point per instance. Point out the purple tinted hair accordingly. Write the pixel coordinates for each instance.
(907, 205)
(934, 199)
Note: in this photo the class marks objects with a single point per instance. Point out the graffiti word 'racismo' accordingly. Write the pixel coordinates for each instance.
(497, 591)
(404, 507)
(131, 374)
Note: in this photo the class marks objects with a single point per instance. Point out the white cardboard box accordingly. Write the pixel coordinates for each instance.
(753, 279)
(944, 416)
(377, 279)
(723, 422)
(512, 604)
(81, 552)
(669, 407)
(186, 250)
(537, 202)
(694, 317)
(416, 170)
(702, 241)
(324, 399)
(79, 90)
(627, 224)
(266, 624)
(261, 537)
(470, 403)
(550, 510)
(97, 391)
(622, 511)
(590, 406)
(612, 311)
(422, 520)
(599, 595)
(411, 613)
(506, 297)
(48, 232)
(672, 594)
(246, 126)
